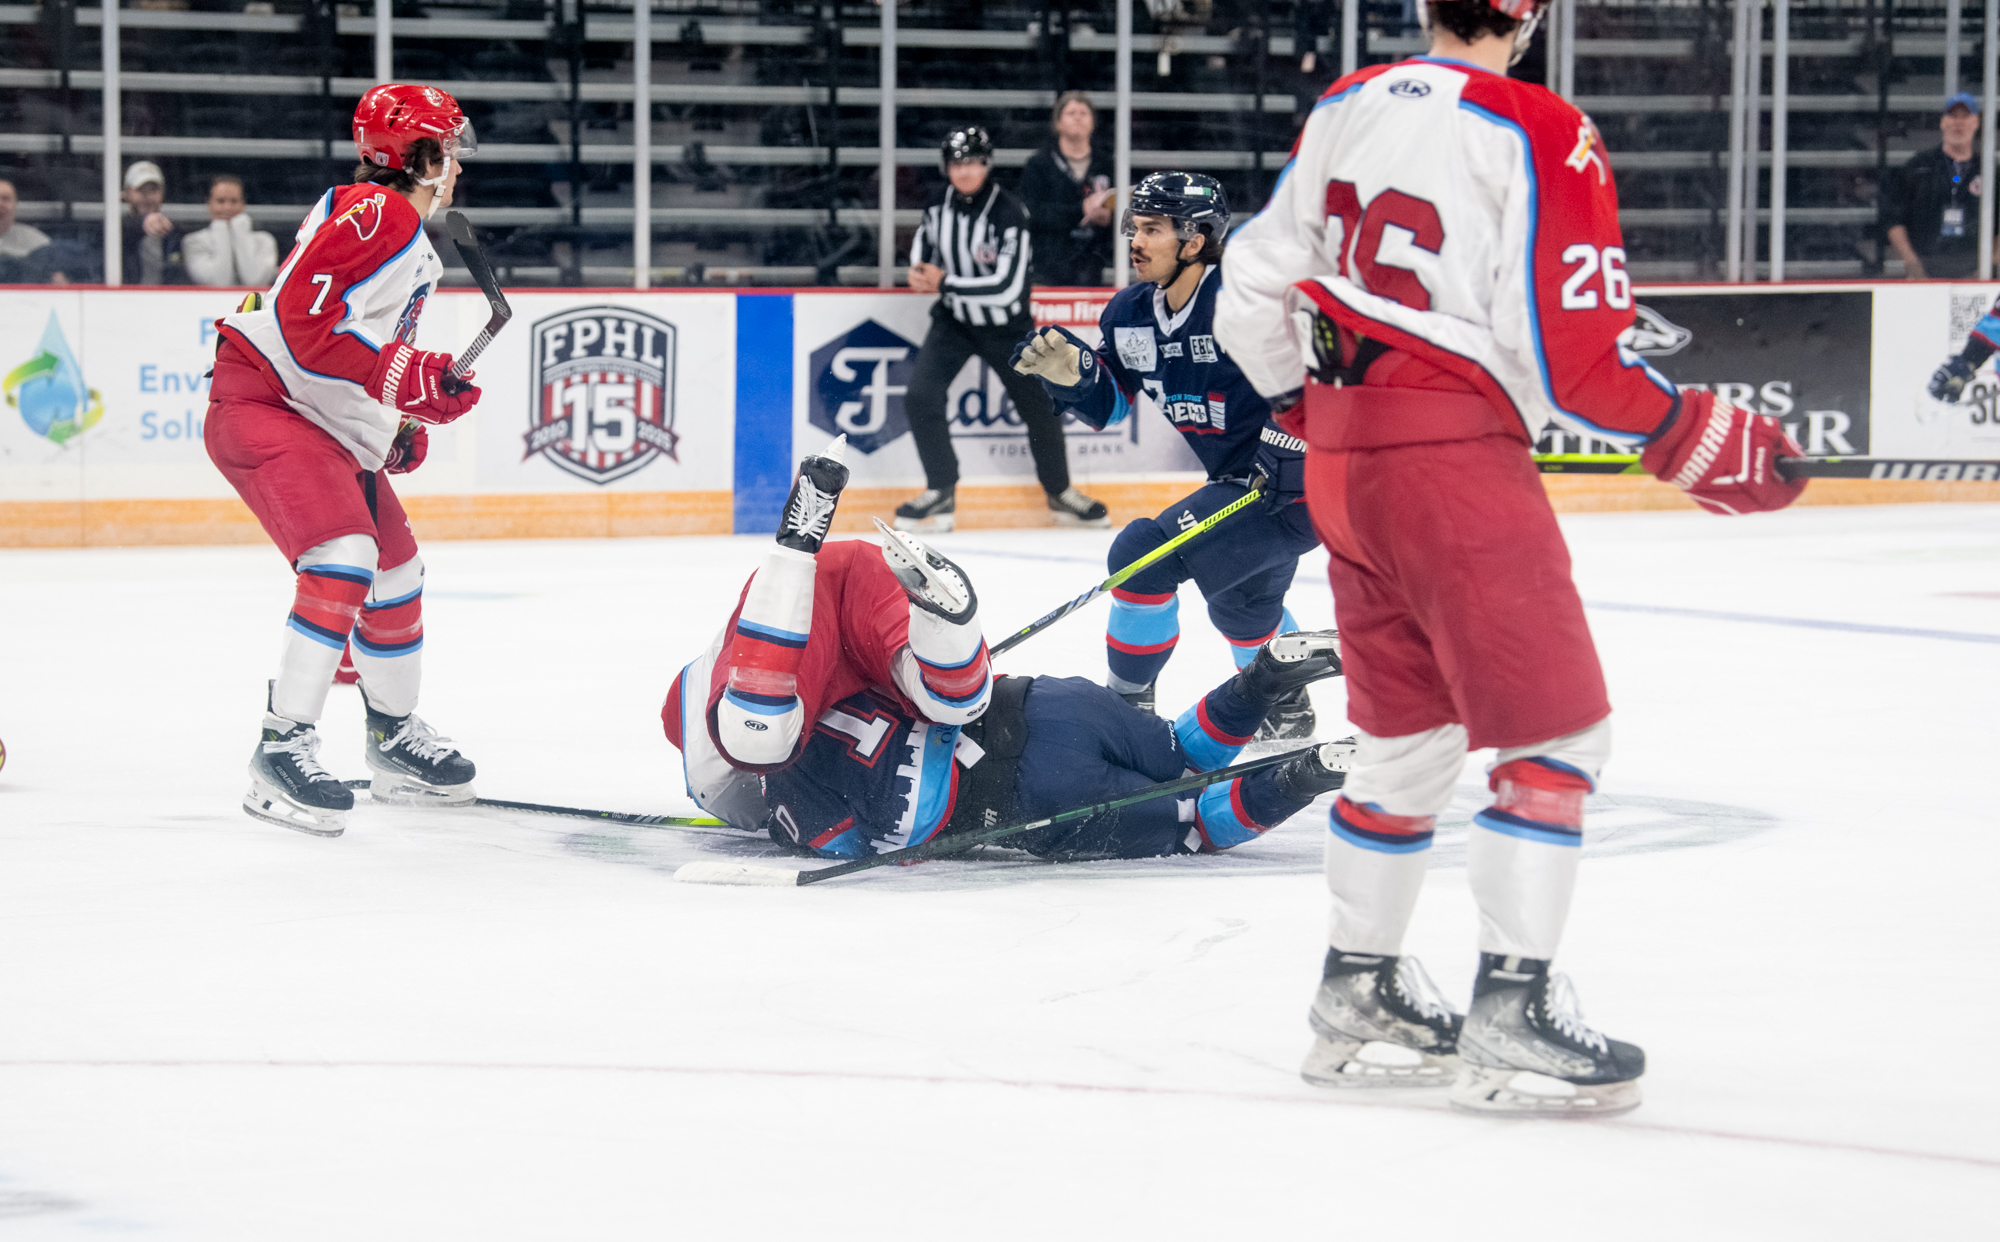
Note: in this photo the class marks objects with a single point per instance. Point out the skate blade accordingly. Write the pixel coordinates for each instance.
(1071, 519)
(265, 803)
(1344, 1064)
(1494, 1091)
(943, 524)
(397, 789)
(1276, 745)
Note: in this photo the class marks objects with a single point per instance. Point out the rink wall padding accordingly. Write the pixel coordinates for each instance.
(613, 413)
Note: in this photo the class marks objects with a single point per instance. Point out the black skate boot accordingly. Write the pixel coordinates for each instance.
(1290, 719)
(1144, 698)
(808, 512)
(1073, 508)
(1322, 771)
(411, 765)
(933, 511)
(1380, 1023)
(289, 788)
(1285, 667)
(1527, 1051)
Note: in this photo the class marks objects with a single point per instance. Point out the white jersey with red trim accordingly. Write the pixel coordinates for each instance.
(356, 281)
(1460, 217)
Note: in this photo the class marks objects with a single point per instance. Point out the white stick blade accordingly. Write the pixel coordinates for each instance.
(736, 873)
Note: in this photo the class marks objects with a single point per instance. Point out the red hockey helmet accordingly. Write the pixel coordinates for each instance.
(392, 116)
(1527, 12)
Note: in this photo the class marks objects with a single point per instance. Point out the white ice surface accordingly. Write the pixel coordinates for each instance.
(469, 1024)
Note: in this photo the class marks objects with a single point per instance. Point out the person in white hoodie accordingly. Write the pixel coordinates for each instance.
(230, 251)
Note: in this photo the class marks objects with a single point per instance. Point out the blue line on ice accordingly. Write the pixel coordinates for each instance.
(1807, 623)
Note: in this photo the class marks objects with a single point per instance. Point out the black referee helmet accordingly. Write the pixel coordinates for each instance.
(967, 142)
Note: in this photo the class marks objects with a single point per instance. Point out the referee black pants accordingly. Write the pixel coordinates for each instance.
(945, 349)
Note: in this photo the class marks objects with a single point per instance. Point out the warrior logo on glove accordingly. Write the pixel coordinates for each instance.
(602, 399)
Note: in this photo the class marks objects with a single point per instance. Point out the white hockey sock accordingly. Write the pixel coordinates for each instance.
(760, 717)
(945, 670)
(333, 580)
(389, 639)
(1521, 860)
(1379, 834)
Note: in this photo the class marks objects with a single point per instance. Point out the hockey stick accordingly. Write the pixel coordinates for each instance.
(1903, 469)
(573, 812)
(1208, 523)
(748, 874)
(460, 229)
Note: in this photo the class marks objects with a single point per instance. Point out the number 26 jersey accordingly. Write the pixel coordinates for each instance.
(1466, 220)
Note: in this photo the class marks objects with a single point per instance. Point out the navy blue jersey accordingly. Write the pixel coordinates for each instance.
(1174, 359)
(872, 777)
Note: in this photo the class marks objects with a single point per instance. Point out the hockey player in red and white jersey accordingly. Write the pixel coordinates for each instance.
(1438, 276)
(318, 396)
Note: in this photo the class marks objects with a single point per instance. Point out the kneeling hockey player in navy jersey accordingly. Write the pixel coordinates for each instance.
(1159, 336)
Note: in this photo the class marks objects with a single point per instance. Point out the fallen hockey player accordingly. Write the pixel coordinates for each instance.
(910, 737)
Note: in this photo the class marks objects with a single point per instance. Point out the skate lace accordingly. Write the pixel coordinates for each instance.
(926, 498)
(1565, 1013)
(303, 747)
(811, 511)
(420, 740)
(1417, 990)
(1073, 500)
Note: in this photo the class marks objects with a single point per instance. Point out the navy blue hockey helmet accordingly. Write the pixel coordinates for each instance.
(967, 142)
(1193, 201)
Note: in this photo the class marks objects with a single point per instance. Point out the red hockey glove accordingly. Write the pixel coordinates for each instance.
(408, 450)
(1725, 457)
(411, 382)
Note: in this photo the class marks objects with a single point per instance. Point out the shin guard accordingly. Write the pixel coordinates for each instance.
(389, 639)
(333, 580)
(1522, 859)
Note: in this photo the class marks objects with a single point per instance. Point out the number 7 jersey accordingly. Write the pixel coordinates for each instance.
(1462, 218)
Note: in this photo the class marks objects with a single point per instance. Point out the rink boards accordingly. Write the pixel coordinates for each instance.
(614, 412)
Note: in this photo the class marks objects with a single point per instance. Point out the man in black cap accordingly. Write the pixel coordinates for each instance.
(974, 250)
(1932, 209)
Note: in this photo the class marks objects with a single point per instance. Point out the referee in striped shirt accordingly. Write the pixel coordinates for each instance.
(973, 249)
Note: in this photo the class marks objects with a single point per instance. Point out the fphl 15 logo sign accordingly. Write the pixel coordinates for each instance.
(602, 401)
(858, 384)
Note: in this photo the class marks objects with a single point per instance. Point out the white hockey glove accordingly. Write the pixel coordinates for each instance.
(933, 583)
(1056, 357)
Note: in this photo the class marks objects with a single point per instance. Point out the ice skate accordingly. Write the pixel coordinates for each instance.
(1290, 719)
(289, 788)
(1322, 771)
(410, 765)
(933, 511)
(1527, 1052)
(1145, 698)
(808, 512)
(1073, 508)
(1287, 664)
(932, 582)
(1380, 1022)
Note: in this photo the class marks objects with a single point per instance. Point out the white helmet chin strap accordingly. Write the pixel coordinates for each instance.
(444, 170)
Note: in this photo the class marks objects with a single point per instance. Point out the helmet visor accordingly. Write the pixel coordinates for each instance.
(1128, 224)
(462, 141)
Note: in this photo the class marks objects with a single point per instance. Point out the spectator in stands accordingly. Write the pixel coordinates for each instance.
(230, 251)
(152, 241)
(17, 240)
(1067, 187)
(1932, 209)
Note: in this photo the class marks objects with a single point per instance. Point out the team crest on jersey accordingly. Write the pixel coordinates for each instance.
(1136, 348)
(365, 215)
(1585, 153)
(602, 393)
(1653, 335)
(1409, 88)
